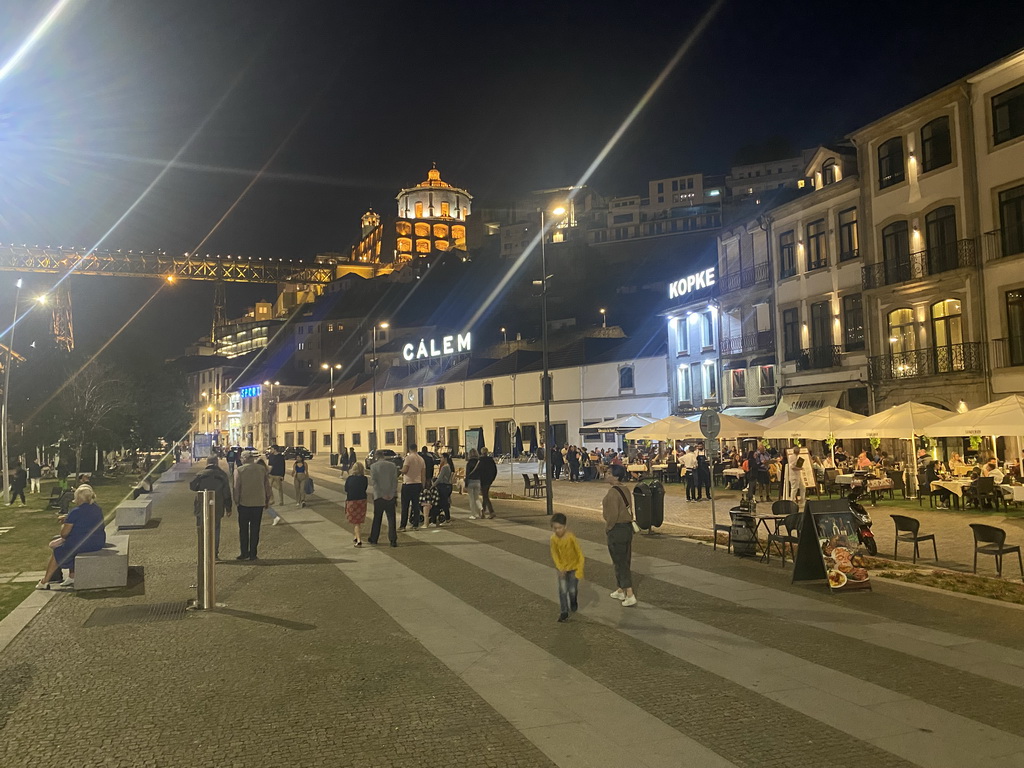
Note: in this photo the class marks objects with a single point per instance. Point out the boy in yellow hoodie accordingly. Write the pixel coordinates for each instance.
(568, 558)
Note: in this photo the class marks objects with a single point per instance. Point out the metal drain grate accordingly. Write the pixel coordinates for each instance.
(137, 614)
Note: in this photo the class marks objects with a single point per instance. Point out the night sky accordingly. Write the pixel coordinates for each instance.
(347, 102)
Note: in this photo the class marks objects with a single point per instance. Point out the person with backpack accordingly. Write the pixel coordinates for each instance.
(488, 474)
(618, 522)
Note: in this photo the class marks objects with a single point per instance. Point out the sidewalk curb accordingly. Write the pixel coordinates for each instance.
(19, 618)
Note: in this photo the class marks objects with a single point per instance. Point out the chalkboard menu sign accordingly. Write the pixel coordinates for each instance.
(829, 549)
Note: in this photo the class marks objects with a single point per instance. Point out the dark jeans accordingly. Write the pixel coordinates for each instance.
(691, 485)
(382, 507)
(556, 470)
(620, 547)
(216, 534)
(486, 508)
(249, 519)
(568, 585)
(411, 497)
(574, 472)
(443, 508)
(764, 479)
(703, 481)
(17, 491)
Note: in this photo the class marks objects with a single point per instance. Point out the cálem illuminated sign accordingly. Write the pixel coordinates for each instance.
(692, 283)
(446, 345)
(253, 391)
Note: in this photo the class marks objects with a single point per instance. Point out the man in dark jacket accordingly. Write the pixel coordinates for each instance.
(215, 479)
(487, 471)
(430, 462)
(19, 479)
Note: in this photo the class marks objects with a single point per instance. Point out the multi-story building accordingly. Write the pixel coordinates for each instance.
(216, 410)
(755, 179)
(454, 399)
(693, 349)
(923, 299)
(817, 284)
(997, 108)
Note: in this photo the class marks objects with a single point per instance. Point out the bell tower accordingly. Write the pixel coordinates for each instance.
(431, 217)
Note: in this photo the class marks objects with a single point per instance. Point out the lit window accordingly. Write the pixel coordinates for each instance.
(403, 228)
(442, 245)
(441, 230)
(459, 235)
(445, 210)
(419, 210)
(422, 246)
(422, 229)
(404, 244)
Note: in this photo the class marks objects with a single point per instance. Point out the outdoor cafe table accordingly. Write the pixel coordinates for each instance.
(955, 487)
(734, 472)
(876, 485)
(762, 521)
(635, 470)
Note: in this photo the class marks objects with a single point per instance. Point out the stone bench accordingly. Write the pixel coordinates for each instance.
(105, 568)
(133, 513)
(170, 476)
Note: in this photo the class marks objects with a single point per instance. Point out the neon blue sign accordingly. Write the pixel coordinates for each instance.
(253, 391)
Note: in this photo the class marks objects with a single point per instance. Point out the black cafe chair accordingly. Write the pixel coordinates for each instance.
(786, 532)
(989, 540)
(908, 529)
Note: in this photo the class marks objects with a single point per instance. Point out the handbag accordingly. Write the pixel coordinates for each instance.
(307, 487)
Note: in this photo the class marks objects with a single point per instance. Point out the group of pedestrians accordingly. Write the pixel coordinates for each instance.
(698, 472)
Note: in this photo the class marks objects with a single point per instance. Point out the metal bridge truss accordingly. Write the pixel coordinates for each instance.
(232, 269)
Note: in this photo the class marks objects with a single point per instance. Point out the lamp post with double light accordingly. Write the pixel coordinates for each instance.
(545, 384)
(373, 376)
(330, 405)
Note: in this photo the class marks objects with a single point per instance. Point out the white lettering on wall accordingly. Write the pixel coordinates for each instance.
(691, 283)
(449, 345)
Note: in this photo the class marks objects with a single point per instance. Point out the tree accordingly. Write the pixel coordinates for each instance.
(87, 407)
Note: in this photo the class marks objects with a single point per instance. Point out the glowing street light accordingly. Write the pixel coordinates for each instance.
(604, 318)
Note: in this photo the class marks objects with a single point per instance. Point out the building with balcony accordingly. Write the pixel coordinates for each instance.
(922, 290)
(997, 103)
(747, 318)
(693, 349)
(817, 285)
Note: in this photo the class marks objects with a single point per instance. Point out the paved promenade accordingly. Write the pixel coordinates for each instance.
(445, 651)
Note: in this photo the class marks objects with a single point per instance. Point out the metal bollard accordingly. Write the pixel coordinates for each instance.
(206, 583)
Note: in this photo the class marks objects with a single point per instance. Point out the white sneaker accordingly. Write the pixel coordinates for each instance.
(472, 517)
(631, 600)
(618, 594)
(67, 583)
(277, 521)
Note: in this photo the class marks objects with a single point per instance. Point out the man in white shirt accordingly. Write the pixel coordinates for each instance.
(799, 474)
(414, 472)
(689, 462)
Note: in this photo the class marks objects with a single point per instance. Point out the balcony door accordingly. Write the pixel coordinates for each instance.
(947, 330)
(902, 343)
(896, 252)
(940, 234)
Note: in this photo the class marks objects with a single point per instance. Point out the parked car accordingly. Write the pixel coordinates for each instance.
(294, 451)
(384, 454)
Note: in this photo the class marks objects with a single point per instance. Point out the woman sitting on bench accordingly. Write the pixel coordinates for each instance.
(82, 531)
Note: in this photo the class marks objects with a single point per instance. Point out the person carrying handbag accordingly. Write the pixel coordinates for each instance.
(619, 527)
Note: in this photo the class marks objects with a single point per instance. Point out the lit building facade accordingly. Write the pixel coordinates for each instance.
(693, 350)
(431, 217)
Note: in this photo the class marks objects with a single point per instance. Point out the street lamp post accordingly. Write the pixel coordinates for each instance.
(546, 380)
(604, 318)
(330, 403)
(271, 407)
(7, 389)
(373, 375)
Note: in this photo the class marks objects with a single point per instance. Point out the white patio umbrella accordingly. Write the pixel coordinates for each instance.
(661, 430)
(621, 424)
(1003, 418)
(902, 422)
(733, 427)
(780, 418)
(821, 424)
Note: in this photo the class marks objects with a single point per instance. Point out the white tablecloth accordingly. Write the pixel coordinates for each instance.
(953, 486)
(733, 472)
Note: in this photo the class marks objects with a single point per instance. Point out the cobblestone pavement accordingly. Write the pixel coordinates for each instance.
(445, 652)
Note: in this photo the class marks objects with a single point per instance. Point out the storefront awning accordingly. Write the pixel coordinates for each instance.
(805, 402)
(747, 411)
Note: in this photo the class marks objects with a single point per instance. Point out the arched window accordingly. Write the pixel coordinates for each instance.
(446, 210)
(422, 229)
(403, 228)
(362, 406)
(440, 399)
(441, 230)
(626, 377)
(829, 172)
(405, 244)
(936, 144)
(896, 252)
(441, 245)
(948, 334)
(459, 235)
(422, 246)
(488, 393)
(399, 402)
(890, 162)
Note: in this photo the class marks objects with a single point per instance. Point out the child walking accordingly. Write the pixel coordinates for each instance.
(568, 558)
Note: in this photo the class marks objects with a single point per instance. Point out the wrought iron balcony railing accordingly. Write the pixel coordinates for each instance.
(916, 266)
(746, 277)
(929, 361)
(819, 357)
(749, 342)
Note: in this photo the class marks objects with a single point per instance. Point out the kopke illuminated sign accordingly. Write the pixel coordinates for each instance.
(449, 345)
(691, 283)
(253, 391)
